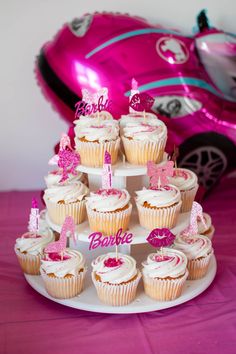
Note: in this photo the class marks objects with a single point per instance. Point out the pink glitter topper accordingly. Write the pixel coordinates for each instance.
(93, 103)
(33, 226)
(196, 212)
(67, 158)
(161, 238)
(60, 245)
(107, 172)
(141, 102)
(159, 174)
(98, 240)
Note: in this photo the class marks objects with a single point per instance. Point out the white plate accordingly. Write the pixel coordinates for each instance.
(88, 300)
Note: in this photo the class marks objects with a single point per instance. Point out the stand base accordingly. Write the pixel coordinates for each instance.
(89, 301)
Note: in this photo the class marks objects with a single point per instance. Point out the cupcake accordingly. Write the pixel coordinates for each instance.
(92, 139)
(63, 277)
(187, 183)
(66, 200)
(109, 210)
(164, 274)
(29, 249)
(198, 249)
(115, 280)
(158, 208)
(134, 118)
(144, 142)
(207, 229)
(53, 178)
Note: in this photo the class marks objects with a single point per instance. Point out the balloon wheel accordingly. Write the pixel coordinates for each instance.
(208, 162)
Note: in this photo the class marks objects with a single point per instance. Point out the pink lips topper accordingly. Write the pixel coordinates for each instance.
(196, 212)
(159, 174)
(159, 238)
(60, 245)
(107, 172)
(141, 102)
(67, 158)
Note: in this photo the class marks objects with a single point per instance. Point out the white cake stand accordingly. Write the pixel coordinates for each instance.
(88, 300)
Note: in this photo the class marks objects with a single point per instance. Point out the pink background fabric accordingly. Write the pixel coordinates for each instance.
(30, 323)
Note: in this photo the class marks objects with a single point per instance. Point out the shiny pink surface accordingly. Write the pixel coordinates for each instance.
(31, 323)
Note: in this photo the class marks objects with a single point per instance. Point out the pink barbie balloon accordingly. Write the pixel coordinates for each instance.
(195, 98)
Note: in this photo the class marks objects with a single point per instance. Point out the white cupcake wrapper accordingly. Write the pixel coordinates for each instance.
(92, 153)
(188, 197)
(198, 267)
(164, 289)
(58, 212)
(151, 218)
(109, 223)
(140, 152)
(63, 288)
(30, 264)
(116, 294)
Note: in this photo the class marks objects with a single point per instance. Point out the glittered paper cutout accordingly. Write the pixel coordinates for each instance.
(33, 226)
(141, 102)
(159, 174)
(161, 238)
(107, 172)
(196, 212)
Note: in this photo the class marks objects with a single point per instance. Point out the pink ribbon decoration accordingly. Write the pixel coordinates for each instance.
(141, 102)
(107, 172)
(60, 245)
(196, 212)
(159, 174)
(33, 226)
(161, 238)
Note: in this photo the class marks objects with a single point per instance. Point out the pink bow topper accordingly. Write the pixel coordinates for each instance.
(159, 174)
(161, 238)
(33, 226)
(107, 172)
(196, 212)
(60, 245)
(141, 102)
(91, 98)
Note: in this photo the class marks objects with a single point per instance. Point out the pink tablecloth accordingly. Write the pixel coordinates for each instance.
(32, 324)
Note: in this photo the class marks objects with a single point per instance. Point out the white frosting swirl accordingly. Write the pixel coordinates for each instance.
(123, 272)
(34, 245)
(201, 226)
(135, 117)
(163, 197)
(60, 268)
(103, 115)
(165, 263)
(183, 178)
(69, 193)
(194, 246)
(153, 130)
(94, 130)
(53, 178)
(105, 200)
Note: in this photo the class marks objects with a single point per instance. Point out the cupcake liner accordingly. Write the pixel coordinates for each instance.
(198, 267)
(108, 223)
(151, 218)
(116, 294)
(92, 153)
(58, 212)
(30, 264)
(209, 233)
(188, 197)
(63, 288)
(140, 152)
(164, 289)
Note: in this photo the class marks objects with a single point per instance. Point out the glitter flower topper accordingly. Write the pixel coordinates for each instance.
(141, 102)
(93, 103)
(67, 159)
(161, 238)
(159, 174)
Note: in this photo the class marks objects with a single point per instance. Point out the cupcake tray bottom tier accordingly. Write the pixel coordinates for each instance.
(89, 301)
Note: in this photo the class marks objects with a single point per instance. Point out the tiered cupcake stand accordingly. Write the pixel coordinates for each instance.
(132, 178)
